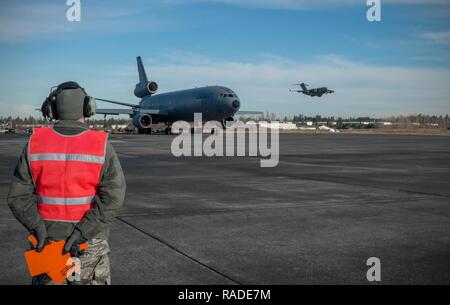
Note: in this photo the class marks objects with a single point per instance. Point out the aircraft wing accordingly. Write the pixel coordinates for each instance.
(114, 111)
(156, 112)
(243, 112)
(131, 111)
(160, 115)
(117, 103)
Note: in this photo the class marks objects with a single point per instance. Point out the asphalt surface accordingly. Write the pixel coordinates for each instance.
(332, 202)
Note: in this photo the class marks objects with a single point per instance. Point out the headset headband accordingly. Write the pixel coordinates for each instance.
(67, 85)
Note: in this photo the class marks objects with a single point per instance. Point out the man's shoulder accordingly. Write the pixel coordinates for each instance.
(70, 128)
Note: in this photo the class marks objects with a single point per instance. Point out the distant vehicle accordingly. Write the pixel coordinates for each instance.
(8, 130)
(312, 92)
(217, 103)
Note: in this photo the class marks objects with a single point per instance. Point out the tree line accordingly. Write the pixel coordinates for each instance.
(402, 120)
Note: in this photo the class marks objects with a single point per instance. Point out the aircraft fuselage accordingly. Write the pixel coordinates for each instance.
(214, 102)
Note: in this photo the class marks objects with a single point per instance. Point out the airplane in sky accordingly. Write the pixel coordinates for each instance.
(312, 92)
(217, 103)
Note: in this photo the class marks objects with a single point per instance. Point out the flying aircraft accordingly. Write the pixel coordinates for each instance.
(312, 92)
(217, 103)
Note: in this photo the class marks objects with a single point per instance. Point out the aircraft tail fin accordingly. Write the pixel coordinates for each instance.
(141, 71)
(303, 85)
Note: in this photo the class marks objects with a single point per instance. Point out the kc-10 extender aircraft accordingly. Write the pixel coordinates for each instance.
(214, 102)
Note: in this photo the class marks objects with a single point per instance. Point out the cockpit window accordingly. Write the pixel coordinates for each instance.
(221, 95)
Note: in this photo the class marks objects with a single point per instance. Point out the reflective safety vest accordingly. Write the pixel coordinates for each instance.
(66, 172)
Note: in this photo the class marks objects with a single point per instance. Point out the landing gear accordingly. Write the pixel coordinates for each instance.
(168, 130)
(144, 131)
(225, 121)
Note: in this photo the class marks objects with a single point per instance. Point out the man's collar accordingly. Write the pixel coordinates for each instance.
(71, 124)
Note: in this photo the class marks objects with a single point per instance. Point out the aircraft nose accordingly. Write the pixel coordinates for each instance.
(236, 104)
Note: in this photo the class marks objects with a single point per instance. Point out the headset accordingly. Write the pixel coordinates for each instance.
(48, 108)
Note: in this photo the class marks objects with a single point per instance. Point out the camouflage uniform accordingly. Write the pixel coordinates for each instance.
(95, 224)
(94, 269)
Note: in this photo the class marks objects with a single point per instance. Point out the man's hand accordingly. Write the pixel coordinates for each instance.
(73, 243)
(40, 232)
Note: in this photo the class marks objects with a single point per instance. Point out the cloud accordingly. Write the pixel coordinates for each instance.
(304, 4)
(437, 37)
(23, 110)
(23, 21)
(28, 20)
(263, 84)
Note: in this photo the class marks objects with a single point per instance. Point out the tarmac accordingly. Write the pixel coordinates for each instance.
(332, 202)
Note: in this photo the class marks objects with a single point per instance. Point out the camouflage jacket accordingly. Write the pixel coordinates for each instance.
(95, 224)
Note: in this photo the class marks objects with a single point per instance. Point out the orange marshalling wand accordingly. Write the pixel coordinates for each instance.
(50, 260)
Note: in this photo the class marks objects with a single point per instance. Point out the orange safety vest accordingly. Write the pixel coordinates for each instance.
(66, 172)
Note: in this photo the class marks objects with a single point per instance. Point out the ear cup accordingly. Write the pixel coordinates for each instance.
(48, 108)
(86, 107)
(89, 106)
(55, 115)
(92, 105)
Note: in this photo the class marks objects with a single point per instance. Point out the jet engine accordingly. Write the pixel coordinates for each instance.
(142, 120)
(144, 89)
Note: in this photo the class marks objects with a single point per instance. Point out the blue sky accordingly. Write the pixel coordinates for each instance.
(400, 65)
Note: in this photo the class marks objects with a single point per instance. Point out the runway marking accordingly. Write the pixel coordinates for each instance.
(260, 207)
(122, 155)
(339, 181)
(349, 167)
(179, 251)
